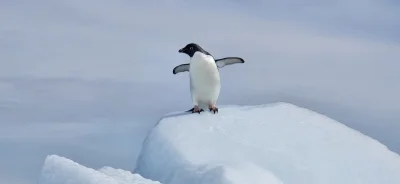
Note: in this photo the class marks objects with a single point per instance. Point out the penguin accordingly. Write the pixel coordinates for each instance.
(205, 82)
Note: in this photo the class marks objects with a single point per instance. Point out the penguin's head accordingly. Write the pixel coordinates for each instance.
(192, 48)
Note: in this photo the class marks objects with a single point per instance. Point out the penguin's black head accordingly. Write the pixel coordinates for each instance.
(191, 48)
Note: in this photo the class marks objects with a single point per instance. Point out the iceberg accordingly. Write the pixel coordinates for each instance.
(60, 170)
(271, 143)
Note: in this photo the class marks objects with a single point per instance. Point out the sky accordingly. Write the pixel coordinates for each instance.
(87, 79)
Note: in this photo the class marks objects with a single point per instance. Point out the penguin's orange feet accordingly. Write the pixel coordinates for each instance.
(196, 109)
(213, 109)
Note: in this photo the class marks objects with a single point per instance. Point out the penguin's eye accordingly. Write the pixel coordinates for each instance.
(191, 48)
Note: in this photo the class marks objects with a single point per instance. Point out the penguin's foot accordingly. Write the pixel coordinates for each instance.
(213, 109)
(196, 109)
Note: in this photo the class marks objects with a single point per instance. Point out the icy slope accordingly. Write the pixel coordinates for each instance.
(60, 170)
(276, 143)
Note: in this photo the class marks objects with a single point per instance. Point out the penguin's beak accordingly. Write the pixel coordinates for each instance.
(180, 50)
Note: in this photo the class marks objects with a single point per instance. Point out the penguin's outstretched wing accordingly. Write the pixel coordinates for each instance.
(181, 68)
(228, 61)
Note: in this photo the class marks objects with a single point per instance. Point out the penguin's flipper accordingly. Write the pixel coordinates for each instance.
(181, 68)
(228, 61)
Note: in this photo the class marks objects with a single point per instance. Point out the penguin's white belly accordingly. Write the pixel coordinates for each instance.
(204, 80)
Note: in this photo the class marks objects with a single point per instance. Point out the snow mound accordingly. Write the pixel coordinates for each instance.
(60, 170)
(274, 143)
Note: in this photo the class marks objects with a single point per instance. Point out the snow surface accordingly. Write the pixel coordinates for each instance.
(60, 170)
(274, 143)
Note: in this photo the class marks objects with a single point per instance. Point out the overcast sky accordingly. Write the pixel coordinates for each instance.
(77, 69)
